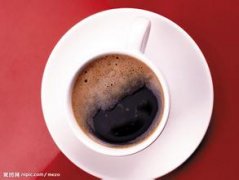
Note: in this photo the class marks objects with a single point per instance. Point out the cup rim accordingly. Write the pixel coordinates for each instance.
(100, 148)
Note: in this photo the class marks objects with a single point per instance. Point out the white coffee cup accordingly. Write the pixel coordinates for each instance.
(135, 46)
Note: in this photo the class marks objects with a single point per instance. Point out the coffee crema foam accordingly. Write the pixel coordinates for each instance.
(104, 82)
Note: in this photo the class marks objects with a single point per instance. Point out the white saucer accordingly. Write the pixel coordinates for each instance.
(186, 72)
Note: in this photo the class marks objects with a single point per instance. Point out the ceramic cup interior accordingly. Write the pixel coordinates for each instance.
(88, 137)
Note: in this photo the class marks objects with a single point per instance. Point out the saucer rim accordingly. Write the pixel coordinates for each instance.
(107, 12)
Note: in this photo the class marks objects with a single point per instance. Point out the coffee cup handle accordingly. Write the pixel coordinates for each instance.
(139, 34)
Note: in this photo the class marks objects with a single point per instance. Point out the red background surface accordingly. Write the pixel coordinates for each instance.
(29, 29)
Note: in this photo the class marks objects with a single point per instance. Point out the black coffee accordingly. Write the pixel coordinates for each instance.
(128, 119)
(117, 100)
